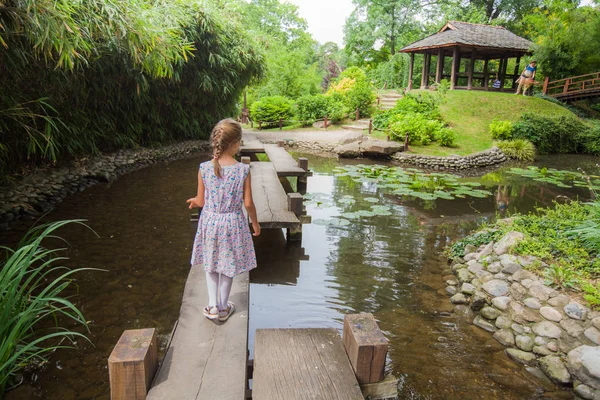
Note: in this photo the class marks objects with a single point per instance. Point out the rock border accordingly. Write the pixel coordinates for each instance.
(37, 193)
(540, 326)
(485, 158)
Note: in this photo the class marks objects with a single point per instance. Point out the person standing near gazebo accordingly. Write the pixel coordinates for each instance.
(528, 74)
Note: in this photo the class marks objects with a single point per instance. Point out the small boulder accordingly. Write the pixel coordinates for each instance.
(584, 363)
(533, 303)
(524, 342)
(487, 250)
(575, 311)
(490, 313)
(559, 301)
(478, 301)
(501, 303)
(494, 267)
(551, 314)
(572, 327)
(520, 356)
(496, 287)
(555, 369)
(593, 334)
(503, 322)
(451, 290)
(508, 241)
(350, 150)
(459, 298)
(467, 288)
(547, 329)
(505, 336)
(483, 324)
(541, 291)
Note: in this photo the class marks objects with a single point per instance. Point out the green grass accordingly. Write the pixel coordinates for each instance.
(470, 113)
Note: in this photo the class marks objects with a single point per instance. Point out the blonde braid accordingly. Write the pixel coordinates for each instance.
(224, 135)
(217, 138)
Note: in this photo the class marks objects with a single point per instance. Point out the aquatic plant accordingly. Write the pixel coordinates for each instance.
(519, 149)
(560, 178)
(31, 287)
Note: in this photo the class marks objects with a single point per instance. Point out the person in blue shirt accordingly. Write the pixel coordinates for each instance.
(527, 77)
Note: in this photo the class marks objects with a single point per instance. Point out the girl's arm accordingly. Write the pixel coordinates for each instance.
(249, 204)
(198, 201)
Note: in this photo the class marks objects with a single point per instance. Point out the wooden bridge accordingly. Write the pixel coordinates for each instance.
(208, 360)
(573, 88)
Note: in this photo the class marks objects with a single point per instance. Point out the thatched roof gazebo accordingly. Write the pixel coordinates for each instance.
(462, 40)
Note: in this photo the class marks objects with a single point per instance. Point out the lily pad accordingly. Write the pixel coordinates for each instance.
(371, 199)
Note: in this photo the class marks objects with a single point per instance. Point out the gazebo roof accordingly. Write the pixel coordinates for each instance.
(456, 33)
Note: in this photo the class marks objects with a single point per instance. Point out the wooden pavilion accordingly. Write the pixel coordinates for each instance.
(476, 44)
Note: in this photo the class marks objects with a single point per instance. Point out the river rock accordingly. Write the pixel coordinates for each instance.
(522, 274)
(494, 267)
(478, 301)
(524, 342)
(518, 328)
(533, 303)
(567, 343)
(541, 350)
(464, 275)
(520, 356)
(572, 327)
(505, 336)
(540, 341)
(541, 291)
(507, 242)
(496, 287)
(517, 292)
(555, 369)
(350, 150)
(551, 314)
(586, 392)
(469, 249)
(483, 324)
(380, 148)
(584, 363)
(463, 311)
(559, 301)
(451, 290)
(471, 257)
(452, 282)
(552, 346)
(596, 322)
(501, 303)
(486, 251)
(593, 334)
(510, 267)
(575, 311)
(547, 329)
(503, 322)
(489, 313)
(459, 298)
(522, 315)
(467, 288)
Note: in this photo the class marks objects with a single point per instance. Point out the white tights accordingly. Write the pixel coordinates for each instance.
(223, 288)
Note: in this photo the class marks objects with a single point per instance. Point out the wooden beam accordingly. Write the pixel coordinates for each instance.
(366, 347)
(486, 74)
(516, 73)
(439, 71)
(410, 70)
(132, 364)
(471, 70)
(455, 61)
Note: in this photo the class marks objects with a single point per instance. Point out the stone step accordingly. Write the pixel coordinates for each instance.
(354, 127)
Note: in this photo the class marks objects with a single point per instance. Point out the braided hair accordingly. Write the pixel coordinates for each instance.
(224, 135)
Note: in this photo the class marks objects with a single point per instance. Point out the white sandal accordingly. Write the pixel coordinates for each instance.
(211, 313)
(225, 314)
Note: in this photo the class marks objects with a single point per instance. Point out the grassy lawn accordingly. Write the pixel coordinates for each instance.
(470, 113)
(294, 127)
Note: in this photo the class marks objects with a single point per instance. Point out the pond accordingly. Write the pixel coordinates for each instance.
(389, 262)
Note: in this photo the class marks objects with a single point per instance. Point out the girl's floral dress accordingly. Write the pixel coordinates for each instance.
(223, 241)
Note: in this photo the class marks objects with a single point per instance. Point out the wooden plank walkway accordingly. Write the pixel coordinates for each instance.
(270, 198)
(302, 364)
(205, 359)
(251, 145)
(284, 163)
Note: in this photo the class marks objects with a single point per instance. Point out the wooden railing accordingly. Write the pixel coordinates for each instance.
(573, 86)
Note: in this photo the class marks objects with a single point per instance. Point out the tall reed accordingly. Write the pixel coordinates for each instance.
(32, 303)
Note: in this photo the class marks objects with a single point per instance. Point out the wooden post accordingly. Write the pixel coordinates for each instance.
(259, 124)
(245, 110)
(281, 143)
(366, 347)
(295, 205)
(251, 124)
(439, 70)
(471, 70)
(406, 142)
(486, 75)
(280, 123)
(411, 67)
(516, 72)
(246, 160)
(566, 87)
(325, 122)
(424, 72)
(503, 72)
(370, 126)
(132, 364)
(387, 138)
(454, 72)
(357, 114)
(302, 180)
(545, 88)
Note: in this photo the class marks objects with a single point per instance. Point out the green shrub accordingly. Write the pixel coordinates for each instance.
(420, 129)
(270, 110)
(426, 103)
(392, 73)
(501, 130)
(520, 149)
(446, 137)
(354, 90)
(590, 139)
(549, 134)
(444, 86)
(381, 119)
(312, 108)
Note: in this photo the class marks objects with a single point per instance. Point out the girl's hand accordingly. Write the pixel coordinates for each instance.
(256, 228)
(193, 203)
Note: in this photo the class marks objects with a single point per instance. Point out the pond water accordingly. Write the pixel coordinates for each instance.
(389, 265)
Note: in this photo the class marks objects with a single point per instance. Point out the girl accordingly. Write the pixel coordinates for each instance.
(223, 244)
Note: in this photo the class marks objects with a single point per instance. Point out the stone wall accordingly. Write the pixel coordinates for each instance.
(319, 147)
(28, 198)
(541, 327)
(482, 159)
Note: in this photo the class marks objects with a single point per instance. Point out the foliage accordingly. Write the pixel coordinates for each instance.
(312, 108)
(446, 137)
(419, 128)
(392, 73)
(561, 276)
(590, 138)
(588, 232)
(501, 130)
(31, 298)
(484, 236)
(79, 77)
(550, 134)
(354, 90)
(519, 149)
(560, 178)
(269, 110)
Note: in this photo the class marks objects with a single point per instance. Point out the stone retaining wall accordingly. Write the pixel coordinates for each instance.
(542, 328)
(28, 198)
(482, 159)
(320, 147)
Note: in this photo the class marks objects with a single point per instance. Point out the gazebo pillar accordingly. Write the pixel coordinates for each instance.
(454, 72)
(439, 70)
(486, 77)
(410, 70)
(503, 72)
(471, 70)
(425, 71)
(517, 72)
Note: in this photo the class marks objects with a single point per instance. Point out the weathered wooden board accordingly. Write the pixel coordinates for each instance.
(205, 359)
(302, 364)
(270, 198)
(251, 145)
(284, 163)
(366, 347)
